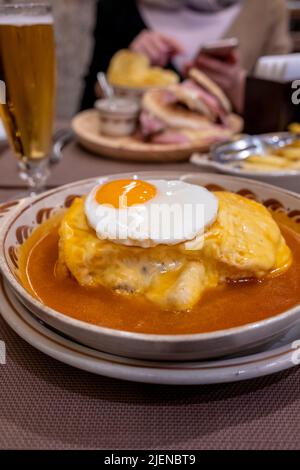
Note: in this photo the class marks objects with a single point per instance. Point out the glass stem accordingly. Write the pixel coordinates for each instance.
(35, 173)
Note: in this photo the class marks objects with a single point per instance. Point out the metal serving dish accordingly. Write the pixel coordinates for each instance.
(242, 147)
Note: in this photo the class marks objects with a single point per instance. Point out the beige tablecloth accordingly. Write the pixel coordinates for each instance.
(77, 164)
(45, 404)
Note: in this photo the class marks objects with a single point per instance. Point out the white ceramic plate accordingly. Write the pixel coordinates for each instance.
(276, 358)
(285, 179)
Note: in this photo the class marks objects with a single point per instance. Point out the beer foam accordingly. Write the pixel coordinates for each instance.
(24, 20)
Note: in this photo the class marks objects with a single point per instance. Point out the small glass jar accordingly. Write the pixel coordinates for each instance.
(118, 116)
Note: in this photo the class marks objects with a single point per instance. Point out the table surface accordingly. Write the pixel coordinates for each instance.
(45, 404)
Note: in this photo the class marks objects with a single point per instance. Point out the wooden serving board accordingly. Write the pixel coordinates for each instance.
(86, 126)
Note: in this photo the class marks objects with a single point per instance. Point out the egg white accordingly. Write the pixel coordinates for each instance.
(178, 213)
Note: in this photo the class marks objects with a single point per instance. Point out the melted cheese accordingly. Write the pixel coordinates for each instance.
(245, 239)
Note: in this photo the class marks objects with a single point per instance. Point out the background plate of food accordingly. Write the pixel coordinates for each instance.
(182, 298)
(272, 158)
(171, 124)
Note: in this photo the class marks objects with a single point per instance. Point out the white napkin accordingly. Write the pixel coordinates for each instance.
(2, 132)
(279, 68)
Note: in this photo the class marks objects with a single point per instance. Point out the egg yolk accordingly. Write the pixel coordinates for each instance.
(125, 193)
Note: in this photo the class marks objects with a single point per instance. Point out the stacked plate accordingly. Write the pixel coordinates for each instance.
(235, 354)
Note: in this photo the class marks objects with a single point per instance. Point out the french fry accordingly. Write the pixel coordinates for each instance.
(284, 158)
(259, 168)
(294, 128)
(270, 160)
(289, 153)
(296, 166)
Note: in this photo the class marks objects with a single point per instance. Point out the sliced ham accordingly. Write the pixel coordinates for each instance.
(167, 96)
(150, 124)
(170, 137)
(211, 101)
(183, 113)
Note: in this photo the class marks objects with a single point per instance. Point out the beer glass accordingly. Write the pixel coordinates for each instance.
(27, 68)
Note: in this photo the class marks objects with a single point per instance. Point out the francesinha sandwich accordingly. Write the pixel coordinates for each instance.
(168, 241)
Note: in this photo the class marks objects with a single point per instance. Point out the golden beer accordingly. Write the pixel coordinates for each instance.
(27, 67)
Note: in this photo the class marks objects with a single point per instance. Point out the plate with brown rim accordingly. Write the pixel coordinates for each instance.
(283, 354)
(30, 214)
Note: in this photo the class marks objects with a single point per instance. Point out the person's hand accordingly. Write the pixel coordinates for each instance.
(229, 75)
(158, 47)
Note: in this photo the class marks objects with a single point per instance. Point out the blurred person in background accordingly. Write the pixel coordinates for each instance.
(171, 33)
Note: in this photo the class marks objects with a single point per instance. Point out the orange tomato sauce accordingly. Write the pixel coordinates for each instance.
(221, 308)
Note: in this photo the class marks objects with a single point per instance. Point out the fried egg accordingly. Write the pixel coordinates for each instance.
(150, 213)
